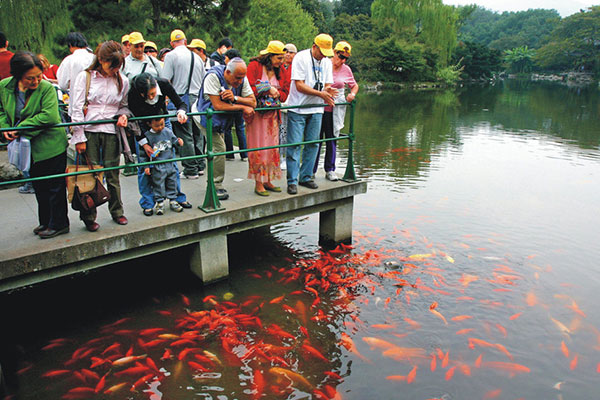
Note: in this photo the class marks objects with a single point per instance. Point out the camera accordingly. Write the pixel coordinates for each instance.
(318, 86)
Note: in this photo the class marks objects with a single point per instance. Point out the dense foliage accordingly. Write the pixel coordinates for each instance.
(392, 40)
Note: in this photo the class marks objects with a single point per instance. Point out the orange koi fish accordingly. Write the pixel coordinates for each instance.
(437, 314)
(410, 378)
(395, 378)
(492, 394)
(461, 318)
(56, 373)
(450, 373)
(404, 353)
(505, 366)
(141, 381)
(464, 331)
(127, 360)
(531, 299)
(446, 359)
(348, 343)
(466, 279)
(100, 385)
(378, 343)
(294, 377)
(314, 352)
(574, 362)
(259, 384)
(115, 388)
(433, 364)
(478, 361)
(515, 316)
(465, 369)
(564, 349)
(501, 329)
(576, 308)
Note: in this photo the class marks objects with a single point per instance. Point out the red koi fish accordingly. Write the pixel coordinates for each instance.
(564, 349)
(348, 343)
(450, 373)
(314, 352)
(464, 331)
(259, 384)
(461, 318)
(141, 381)
(515, 316)
(446, 359)
(433, 364)
(432, 309)
(574, 362)
(512, 368)
(492, 394)
(410, 378)
(56, 373)
(478, 361)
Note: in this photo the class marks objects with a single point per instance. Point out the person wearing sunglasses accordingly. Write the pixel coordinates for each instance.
(333, 118)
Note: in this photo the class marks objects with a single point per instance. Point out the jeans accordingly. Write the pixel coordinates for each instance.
(145, 186)
(240, 132)
(302, 127)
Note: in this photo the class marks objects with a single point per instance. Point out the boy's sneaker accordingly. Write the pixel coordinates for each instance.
(175, 206)
(27, 188)
(159, 209)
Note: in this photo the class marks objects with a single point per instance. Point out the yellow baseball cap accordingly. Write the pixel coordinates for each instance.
(124, 38)
(197, 44)
(150, 44)
(325, 43)
(135, 38)
(177, 35)
(343, 46)
(274, 47)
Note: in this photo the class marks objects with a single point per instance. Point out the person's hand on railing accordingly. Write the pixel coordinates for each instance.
(122, 121)
(80, 147)
(351, 96)
(227, 95)
(182, 117)
(11, 135)
(248, 114)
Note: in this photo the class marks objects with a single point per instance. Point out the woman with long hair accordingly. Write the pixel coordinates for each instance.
(28, 100)
(105, 99)
(270, 85)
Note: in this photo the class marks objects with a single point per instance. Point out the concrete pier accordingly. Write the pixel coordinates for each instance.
(26, 259)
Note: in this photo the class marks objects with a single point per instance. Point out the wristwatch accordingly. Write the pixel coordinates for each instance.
(235, 99)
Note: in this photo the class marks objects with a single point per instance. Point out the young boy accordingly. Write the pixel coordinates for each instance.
(164, 176)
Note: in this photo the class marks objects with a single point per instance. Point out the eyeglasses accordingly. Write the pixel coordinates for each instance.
(341, 56)
(150, 51)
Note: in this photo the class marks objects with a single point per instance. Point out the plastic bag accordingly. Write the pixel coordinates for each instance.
(19, 153)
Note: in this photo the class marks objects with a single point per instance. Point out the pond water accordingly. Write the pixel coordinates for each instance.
(473, 275)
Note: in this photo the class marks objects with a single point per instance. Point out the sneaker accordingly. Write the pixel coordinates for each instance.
(159, 208)
(292, 189)
(191, 176)
(185, 204)
(27, 188)
(222, 194)
(148, 212)
(244, 159)
(201, 172)
(283, 165)
(330, 175)
(175, 206)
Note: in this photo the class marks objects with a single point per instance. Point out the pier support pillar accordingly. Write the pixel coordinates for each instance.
(335, 225)
(208, 259)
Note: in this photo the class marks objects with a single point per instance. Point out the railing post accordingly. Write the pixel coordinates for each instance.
(211, 201)
(349, 175)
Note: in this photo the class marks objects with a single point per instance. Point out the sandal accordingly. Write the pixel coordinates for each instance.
(264, 193)
(272, 188)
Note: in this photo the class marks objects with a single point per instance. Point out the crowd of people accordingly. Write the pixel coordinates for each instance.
(134, 78)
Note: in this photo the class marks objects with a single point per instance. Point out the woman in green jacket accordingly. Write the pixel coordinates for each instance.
(27, 100)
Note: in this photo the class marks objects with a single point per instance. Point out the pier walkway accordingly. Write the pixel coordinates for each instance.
(26, 259)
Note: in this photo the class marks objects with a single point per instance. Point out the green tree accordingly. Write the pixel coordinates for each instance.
(574, 44)
(479, 61)
(353, 7)
(36, 25)
(263, 23)
(351, 27)
(428, 21)
(519, 59)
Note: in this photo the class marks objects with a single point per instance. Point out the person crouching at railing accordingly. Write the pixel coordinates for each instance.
(27, 100)
(103, 98)
(270, 86)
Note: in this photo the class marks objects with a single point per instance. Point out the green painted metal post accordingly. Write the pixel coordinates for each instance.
(349, 174)
(211, 201)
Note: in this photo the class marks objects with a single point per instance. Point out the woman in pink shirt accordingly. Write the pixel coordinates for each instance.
(333, 118)
(106, 98)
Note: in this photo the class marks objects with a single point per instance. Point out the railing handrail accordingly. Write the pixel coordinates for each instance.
(211, 201)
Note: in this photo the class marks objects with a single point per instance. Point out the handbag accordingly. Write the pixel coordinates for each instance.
(93, 194)
(90, 200)
(85, 182)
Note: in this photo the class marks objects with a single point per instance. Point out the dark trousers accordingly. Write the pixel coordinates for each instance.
(240, 132)
(51, 194)
(330, 147)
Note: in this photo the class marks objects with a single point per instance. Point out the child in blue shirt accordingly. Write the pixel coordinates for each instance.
(163, 176)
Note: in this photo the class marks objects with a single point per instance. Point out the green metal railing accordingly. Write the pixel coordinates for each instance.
(211, 201)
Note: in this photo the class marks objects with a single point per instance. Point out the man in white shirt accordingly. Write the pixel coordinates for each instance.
(79, 59)
(137, 61)
(312, 77)
(185, 70)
